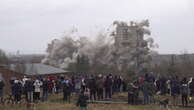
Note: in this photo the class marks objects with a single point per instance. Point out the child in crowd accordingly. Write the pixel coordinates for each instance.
(82, 101)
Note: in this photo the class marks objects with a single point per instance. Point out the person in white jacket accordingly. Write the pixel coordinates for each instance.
(37, 85)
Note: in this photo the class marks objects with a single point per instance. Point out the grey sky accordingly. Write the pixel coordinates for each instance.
(28, 25)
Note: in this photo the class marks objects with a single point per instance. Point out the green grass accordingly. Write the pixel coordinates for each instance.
(55, 103)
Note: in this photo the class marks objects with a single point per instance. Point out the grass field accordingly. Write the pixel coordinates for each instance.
(55, 103)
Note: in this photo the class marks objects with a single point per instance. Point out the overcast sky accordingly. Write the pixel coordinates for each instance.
(28, 25)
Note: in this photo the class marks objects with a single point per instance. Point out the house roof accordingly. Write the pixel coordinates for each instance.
(38, 69)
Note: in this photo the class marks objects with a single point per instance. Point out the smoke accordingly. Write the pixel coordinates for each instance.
(62, 52)
(105, 49)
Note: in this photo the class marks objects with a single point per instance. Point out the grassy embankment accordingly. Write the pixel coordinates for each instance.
(55, 103)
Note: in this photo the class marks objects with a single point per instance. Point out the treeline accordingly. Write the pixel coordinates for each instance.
(181, 65)
(3, 58)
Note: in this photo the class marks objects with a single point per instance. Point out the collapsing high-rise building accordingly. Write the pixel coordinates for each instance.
(129, 51)
(130, 35)
(130, 45)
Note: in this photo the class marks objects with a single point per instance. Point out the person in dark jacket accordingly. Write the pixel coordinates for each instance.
(120, 84)
(1, 90)
(58, 86)
(100, 86)
(45, 90)
(163, 86)
(29, 86)
(12, 95)
(93, 88)
(152, 91)
(184, 91)
(82, 101)
(145, 90)
(175, 90)
(131, 93)
(191, 87)
(17, 91)
(66, 90)
(108, 87)
(115, 85)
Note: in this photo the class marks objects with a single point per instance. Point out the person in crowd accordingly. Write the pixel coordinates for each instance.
(17, 91)
(124, 86)
(141, 79)
(73, 84)
(120, 84)
(93, 88)
(24, 80)
(133, 92)
(115, 85)
(191, 87)
(100, 86)
(168, 86)
(54, 86)
(12, 94)
(163, 86)
(83, 84)
(50, 85)
(67, 90)
(108, 87)
(45, 89)
(87, 92)
(78, 85)
(145, 90)
(131, 96)
(1, 90)
(37, 85)
(152, 91)
(175, 90)
(58, 85)
(24, 87)
(29, 86)
(146, 77)
(151, 77)
(157, 83)
(82, 101)
(184, 91)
